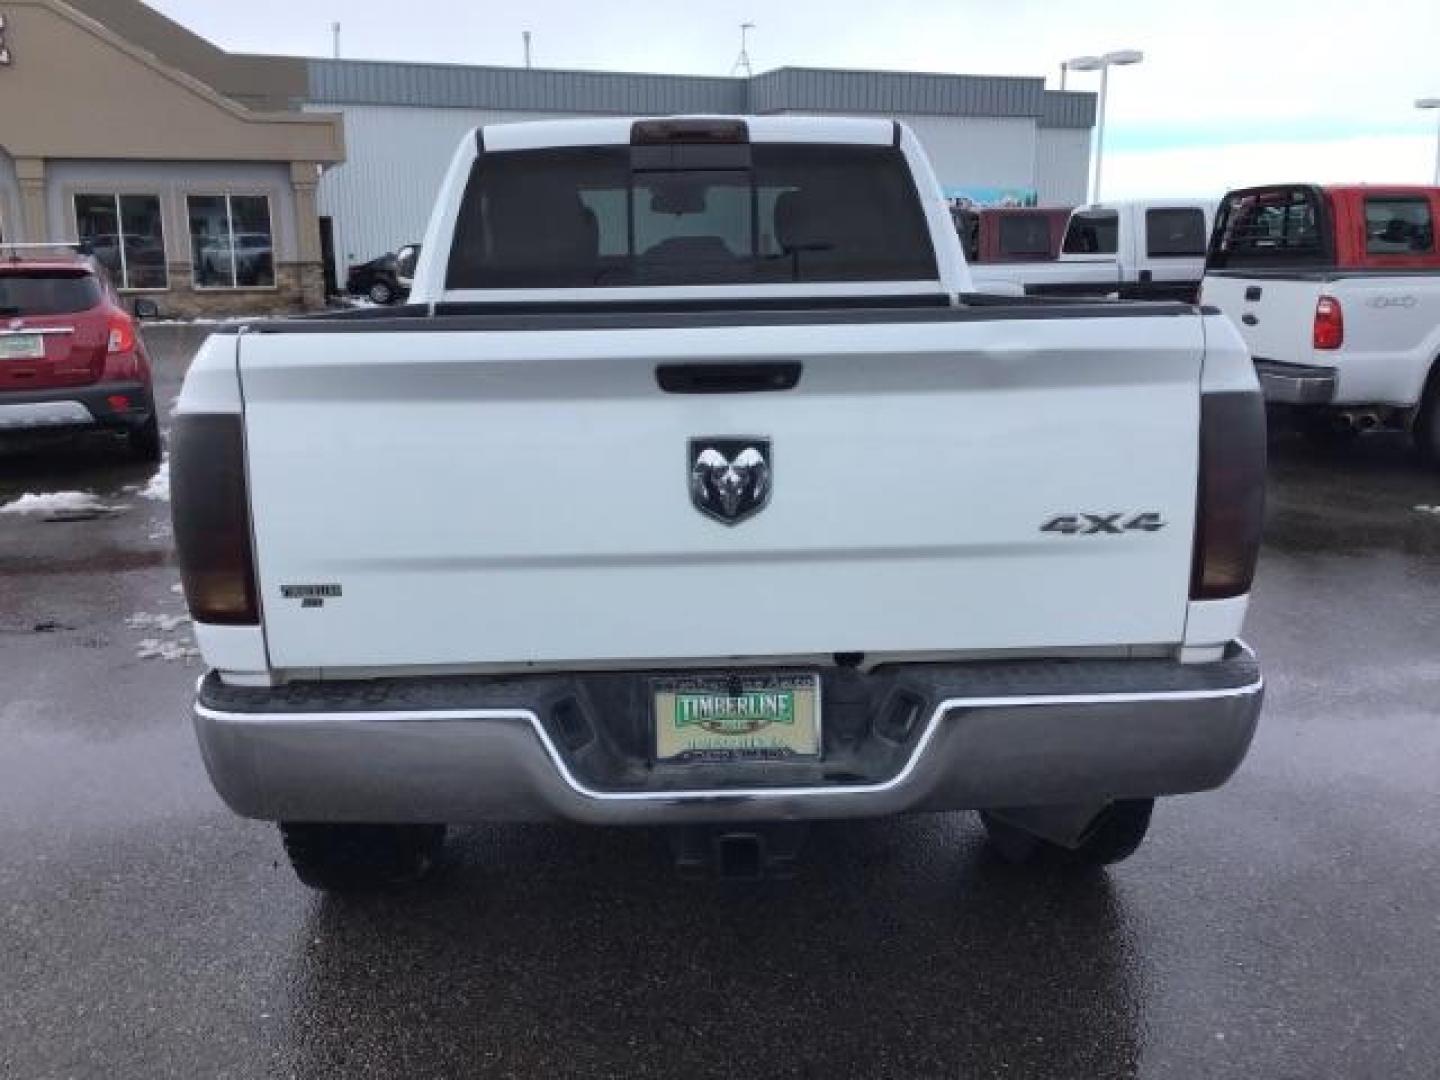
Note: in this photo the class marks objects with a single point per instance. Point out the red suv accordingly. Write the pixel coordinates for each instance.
(70, 356)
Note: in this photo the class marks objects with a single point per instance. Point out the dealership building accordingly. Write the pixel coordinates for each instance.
(229, 183)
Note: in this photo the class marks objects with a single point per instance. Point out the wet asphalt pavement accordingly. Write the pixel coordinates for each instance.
(1285, 926)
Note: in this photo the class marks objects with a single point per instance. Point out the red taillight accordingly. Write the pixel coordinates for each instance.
(1231, 504)
(122, 334)
(210, 506)
(118, 402)
(1329, 323)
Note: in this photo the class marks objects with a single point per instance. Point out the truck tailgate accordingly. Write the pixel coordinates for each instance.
(474, 496)
(1275, 316)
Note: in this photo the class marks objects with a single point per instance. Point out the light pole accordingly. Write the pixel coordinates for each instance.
(1433, 103)
(1102, 64)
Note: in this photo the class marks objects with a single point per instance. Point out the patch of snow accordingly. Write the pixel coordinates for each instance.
(59, 502)
(177, 589)
(1426, 508)
(159, 486)
(144, 620)
(226, 321)
(155, 649)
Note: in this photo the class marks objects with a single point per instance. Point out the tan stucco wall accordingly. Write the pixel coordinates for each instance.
(76, 90)
(260, 82)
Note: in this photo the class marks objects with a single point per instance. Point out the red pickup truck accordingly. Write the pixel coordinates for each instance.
(1336, 291)
(70, 355)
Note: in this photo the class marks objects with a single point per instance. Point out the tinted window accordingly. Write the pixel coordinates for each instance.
(1274, 227)
(1398, 226)
(1092, 233)
(598, 216)
(47, 293)
(230, 241)
(1024, 234)
(1174, 232)
(127, 236)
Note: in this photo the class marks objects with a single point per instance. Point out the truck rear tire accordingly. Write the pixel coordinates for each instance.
(357, 858)
(1426, 431)
(1114, 835)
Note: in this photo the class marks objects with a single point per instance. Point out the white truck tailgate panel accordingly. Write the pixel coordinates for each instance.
(517, 496)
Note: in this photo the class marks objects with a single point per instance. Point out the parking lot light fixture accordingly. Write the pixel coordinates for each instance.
(1433, 103)
(1102, 63)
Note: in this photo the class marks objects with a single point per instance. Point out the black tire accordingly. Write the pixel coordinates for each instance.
(1114, 835)
(359, 858)
(1426, 430)
(145, 441)
(382, 293)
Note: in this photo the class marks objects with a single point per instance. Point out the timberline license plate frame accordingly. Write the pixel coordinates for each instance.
(697, 732)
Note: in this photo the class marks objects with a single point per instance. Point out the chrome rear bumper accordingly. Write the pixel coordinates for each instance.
(477, 763)
(1296, 384)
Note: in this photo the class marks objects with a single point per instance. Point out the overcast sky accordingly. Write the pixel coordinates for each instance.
(1231, 92)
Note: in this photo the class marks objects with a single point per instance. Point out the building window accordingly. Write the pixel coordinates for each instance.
(126, 235)
(230, 241)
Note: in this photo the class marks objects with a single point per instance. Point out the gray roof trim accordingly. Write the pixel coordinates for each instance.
(383, 82)
(895, 92)
(376, 82)
(1067, 110)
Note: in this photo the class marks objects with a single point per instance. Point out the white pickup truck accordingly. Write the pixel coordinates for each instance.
(1151, 249)
(1336, 291)
(694, 488)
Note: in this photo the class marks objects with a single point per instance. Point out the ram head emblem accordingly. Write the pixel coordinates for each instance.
(730, 477)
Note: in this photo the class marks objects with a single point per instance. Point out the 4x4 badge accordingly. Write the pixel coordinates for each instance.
(730, 476)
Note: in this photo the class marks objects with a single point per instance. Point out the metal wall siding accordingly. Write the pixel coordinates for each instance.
(356, 82)
(793, 89)
(1067, 110)
(1062, 165)
(359, 82)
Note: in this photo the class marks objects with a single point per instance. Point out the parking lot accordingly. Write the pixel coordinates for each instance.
(1284, 926)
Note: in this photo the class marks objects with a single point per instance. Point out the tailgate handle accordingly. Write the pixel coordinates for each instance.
(727, 378)
(1252, 292)
(1249, 319)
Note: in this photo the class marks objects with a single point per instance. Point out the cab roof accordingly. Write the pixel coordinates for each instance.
(618, 130)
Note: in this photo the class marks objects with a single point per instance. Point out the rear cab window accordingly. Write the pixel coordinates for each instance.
(1025, 236)
(1271, 227)
(1092, 232)
(741, 213)
(47, 291)
(1175, 232)
(1398, 225)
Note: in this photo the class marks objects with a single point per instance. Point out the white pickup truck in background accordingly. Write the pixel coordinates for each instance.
(696, 488)
(1336, 291)
(1151, 249)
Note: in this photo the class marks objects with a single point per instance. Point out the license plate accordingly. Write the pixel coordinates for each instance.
(737, 718)
(22, 347)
